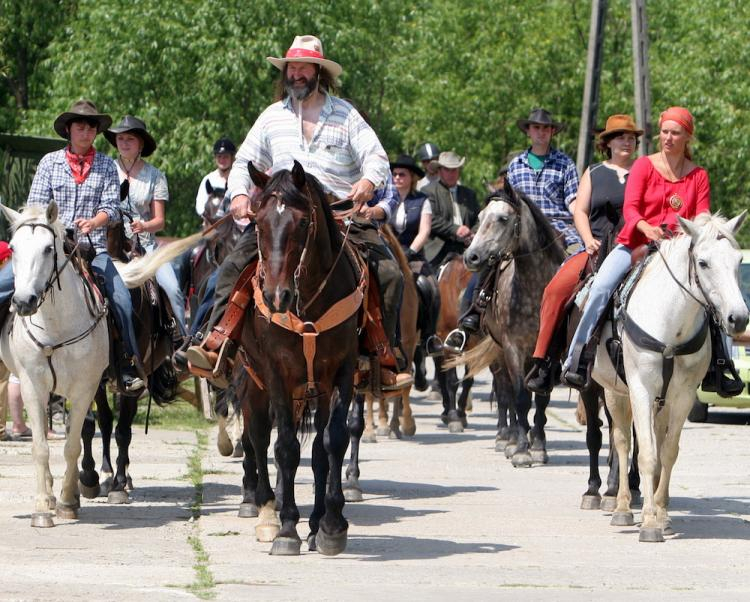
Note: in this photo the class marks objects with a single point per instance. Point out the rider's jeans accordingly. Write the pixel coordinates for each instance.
(167, 279)
(7, 284)
(119, 297)
(610, 274)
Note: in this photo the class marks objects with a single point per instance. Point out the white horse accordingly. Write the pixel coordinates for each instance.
(57, 341)
(695, 273)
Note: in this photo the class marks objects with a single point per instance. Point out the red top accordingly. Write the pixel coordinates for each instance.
(648, 196)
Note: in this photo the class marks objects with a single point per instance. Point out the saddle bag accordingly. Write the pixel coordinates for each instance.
(716, 379)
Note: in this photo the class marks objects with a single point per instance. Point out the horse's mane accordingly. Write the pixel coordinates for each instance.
(36, 214)
(712, 226)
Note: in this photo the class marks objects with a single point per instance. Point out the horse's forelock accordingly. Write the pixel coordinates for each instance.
(37, 215)
(713, 226)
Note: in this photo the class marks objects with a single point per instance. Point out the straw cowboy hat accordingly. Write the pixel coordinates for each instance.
(306, 49)
(132, 124)
(450, 160)
(540, 117)
(81, 108)
(617, 124)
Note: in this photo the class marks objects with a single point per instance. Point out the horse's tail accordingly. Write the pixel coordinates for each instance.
(142, 268)
(477, 358)
(398, 252)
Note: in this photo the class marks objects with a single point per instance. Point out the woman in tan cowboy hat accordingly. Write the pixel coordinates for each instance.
(143, 200)
(84, 184)
(601, 194)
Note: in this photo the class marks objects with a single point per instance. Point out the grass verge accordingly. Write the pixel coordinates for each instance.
(204, 583)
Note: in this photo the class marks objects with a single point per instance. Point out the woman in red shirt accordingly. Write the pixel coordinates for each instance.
(659, 188)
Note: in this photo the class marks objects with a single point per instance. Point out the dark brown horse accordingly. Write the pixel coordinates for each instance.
(303, 273)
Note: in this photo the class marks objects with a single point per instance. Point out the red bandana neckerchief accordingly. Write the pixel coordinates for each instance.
(80, 165)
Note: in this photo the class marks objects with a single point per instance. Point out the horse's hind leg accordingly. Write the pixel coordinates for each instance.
(356, 425)
(591, 500)
(88, 478)
(619, 408)
(538, 438)
(406, 419)
(522, 457)
(123, 436)
(105, 419)
(383, 428)
(465, 403)
(248, 509)
(369, 435)
(501, 388)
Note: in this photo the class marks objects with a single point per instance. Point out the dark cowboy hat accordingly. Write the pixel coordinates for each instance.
(224, 145)
(541, 117)
(81, 108)
(407, 162)
(132, 124)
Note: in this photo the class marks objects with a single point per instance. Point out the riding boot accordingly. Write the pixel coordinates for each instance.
(541, 378)
(468, 324)
(722, 377)
(133, 375)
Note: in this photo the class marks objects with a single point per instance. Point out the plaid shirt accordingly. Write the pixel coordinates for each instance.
(100, 192)
(552, 188)
(386, 198)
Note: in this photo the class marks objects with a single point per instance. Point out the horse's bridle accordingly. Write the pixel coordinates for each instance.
(54, 276)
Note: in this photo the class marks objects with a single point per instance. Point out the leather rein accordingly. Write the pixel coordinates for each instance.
(54, 278)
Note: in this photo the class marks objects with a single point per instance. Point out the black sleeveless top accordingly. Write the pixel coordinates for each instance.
(605, 188)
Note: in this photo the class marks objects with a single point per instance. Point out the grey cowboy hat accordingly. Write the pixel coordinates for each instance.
(132, 124)
(407, 162)
(81, 108)
(541, 117)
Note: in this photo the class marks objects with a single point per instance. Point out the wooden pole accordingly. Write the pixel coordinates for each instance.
(590, 106)
(641, 74)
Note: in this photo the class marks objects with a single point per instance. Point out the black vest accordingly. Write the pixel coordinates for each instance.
(413, 208)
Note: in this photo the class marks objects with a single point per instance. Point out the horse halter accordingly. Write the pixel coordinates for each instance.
(54, 276)
(510, 252)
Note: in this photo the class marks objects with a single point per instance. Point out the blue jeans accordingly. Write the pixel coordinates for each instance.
(119, 298)
(207, 302)
(167, 279)
(609, 276)
(7, 284)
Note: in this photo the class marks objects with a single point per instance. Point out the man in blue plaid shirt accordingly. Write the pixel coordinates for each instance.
(546, 175)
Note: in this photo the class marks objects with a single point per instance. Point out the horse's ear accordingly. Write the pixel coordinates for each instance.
(258, 177)
(52, 212)
(298, 175)
(508, 189)
(735, 223)
(209, 188)
(10, 214)
(689, 228)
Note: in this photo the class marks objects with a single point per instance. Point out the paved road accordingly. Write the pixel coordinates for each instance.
(444, 517)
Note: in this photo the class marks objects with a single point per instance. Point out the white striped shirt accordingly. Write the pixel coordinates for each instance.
(343, 148)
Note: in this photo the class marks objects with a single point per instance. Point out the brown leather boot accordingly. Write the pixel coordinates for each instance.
(390, 380)
(207, 364)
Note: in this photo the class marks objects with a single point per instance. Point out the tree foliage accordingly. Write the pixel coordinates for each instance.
(457, 74)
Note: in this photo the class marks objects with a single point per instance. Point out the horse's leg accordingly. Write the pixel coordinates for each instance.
(287, 453)
(123, 436)
(248, 509)
(369, 435)
(501, 388)
(383, 429)
(609, 499)
(641, 400)
(70, 498)
(406, 419)
(445, 391)
(634, 475)
(465, 403)
(619, 409)
(522, 457)
(89, 478)
(356, 425)
(394, 425)
(320, 471)
(332, 535)
(456, 419)
(538, 437)
(591, 500)
(35, 403)
(105, 419)
(260, 437)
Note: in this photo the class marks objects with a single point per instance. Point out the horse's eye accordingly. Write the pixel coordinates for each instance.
(48, 250)
(502, 218)
(703, 263)
(304, 223)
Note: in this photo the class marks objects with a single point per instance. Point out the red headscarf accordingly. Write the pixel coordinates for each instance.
(679, 114)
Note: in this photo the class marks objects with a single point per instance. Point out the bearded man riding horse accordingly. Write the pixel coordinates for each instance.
(332, 141)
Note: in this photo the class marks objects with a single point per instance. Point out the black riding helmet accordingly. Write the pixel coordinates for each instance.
(224, 145)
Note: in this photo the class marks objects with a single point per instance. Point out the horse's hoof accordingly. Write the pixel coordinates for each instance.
(609, 503)
(106, 486)
(500, 447)
(521, 460)
(510, 450)
(43, 520)
(247, 510)
(409, 429)
(651, 535)
(330, 545)
(285, 546)
(394, 434)
(89, 492)
(311, 543)
(353, 494)
(455, 427)
(539, 456)
(370, 437)
(224, 443)
(622, 519)
(266, 533)
(117, 497)
(667, 528)
(67, 512)
(383, 431)
(129, 484)
(238, 452)
(444, 418)
(591, 502)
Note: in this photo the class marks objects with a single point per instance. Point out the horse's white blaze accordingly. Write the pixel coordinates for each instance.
(665, 311)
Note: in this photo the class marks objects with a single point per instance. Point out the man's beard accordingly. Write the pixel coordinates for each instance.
(301, 93)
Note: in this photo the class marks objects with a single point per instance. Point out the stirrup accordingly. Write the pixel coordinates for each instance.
(437, 343)
(455, 348)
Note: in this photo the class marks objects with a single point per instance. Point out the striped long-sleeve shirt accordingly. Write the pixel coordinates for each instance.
(99, 192)
(343, 148)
